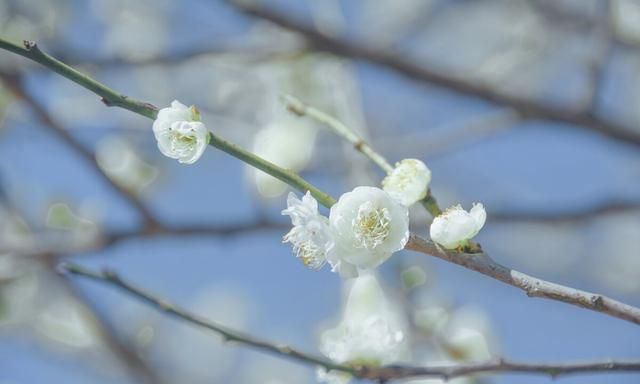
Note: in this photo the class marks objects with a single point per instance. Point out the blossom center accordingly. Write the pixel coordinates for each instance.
(311, 255)
(371, 226)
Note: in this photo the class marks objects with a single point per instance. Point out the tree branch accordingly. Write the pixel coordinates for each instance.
(532, 286)
(528, 109)
(371, 373)
(478, 262)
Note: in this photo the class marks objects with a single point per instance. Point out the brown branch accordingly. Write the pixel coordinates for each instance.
(371, 373)
(532, 286)
(528, 109)
(15, 84)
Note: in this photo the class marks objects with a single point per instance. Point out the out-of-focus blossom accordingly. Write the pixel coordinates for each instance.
(368, 227)
(408, 182)
(121, 162)
(468, 336)
(283, 143)
(455, 227)
(180, 134)
(65, 321)
(370, 332)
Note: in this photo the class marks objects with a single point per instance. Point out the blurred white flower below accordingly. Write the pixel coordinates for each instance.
(371, 331)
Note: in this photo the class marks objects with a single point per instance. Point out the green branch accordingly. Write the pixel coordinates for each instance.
(113, 98)
(110, 97)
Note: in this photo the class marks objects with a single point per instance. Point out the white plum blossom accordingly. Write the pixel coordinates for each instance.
(180, 133)
(310, 236)
(455, 227)
(370, 332)
(368, 226)
(408, 182)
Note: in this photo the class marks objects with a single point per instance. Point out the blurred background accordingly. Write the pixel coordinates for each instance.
(528, 106)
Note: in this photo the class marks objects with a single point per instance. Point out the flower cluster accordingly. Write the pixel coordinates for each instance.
(365, 227)
(180, 133)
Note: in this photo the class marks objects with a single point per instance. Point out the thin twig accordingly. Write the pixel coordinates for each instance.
(16, 86)
(478, 262)
(299, 108)
(527, 108)
(371, 373)
(226, 333)
(124, 352)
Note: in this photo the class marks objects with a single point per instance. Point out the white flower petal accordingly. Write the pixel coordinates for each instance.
(479, 215)
(408, 182)
(310, 236)
(456, 226)
(368, 226)
(178, 136)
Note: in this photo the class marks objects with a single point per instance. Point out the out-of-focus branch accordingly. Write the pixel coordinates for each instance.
(532, 286)
(479, 262)
(606, 208)
(15, 84)
(553, 12)
(371, 373)
(528, 109)
(597, 68)
(124, 352)
(111, 238)
(251, 53)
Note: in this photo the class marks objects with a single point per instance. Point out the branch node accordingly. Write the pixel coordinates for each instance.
(30, 45)
(598, 302)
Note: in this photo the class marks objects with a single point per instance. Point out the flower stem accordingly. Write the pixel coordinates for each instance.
(299, 108)
(296, 106)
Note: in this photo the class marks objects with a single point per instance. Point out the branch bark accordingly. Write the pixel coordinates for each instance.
(362, 372)
(532, 286)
